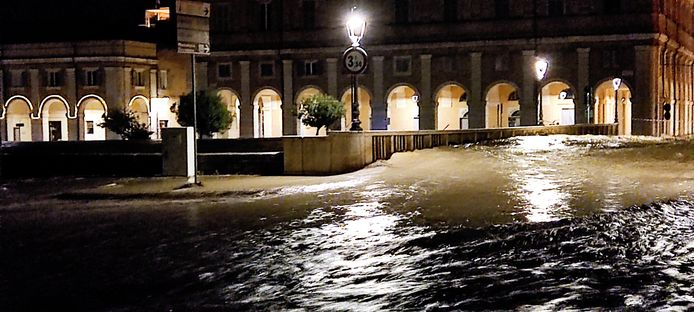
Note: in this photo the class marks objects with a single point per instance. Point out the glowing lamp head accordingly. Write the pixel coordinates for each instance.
(356, 26)
(616, 83)
(541, 66)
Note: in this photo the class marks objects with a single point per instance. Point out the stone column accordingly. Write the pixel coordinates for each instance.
(246, 105)
(127, 84)
(581, 109)
(153, 84)
(476, 104)
(201, 76)
(114, 85)
(426, 106)
(332, 77)
(528, 98)
(36, 124)
(3, 123)
(289, 120)
(378, 104)
(644, 97)
(74, 133)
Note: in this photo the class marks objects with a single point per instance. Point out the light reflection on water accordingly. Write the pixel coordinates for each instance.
(533, 223)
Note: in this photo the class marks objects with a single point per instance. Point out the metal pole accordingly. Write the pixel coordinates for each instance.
(540, 121)
(195, 123)
(356, 122)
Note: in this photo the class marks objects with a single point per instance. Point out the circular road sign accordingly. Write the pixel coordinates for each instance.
(355, 60)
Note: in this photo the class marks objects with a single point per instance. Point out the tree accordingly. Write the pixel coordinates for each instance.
(125, 124)
(320, 110)
(213, 115)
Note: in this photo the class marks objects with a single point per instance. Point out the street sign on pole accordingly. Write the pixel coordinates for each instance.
(193, 27)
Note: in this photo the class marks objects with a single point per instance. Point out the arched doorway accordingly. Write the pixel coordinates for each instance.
(90, 113)
(503, 107)
(558, 107)
(233, 103)
(54, 112)
(451, 108)
(305, 130)
(139, 106)
(267, 114)
(364, 99)
(605, 106)
(18, 116)
(403, 109)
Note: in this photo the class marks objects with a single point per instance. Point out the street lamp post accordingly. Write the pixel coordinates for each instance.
(541, 67)
(355, 61)
(616, 84)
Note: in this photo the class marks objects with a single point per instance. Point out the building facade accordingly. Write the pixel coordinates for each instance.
(433, 64)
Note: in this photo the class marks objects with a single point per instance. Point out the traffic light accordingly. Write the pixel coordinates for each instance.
(666, 111)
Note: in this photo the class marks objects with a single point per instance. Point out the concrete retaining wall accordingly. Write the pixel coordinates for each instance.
(342, 152)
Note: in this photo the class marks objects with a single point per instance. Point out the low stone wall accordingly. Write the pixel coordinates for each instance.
(342, 152)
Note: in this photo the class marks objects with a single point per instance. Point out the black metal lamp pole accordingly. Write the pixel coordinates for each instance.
(356, 122)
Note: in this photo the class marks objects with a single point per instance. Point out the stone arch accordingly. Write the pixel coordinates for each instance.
(18, 114)
(555, 109)
(90, 110)
(450, 105)
(365, 107)
(141, 107)
(304, 93)
(604, 105)
(267, 113)
(501, 100)
(232, 100)
(402, 108)
(54, 112)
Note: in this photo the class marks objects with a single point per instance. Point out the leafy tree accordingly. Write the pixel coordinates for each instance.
(213, 115)
(320, 110)
(125, 124)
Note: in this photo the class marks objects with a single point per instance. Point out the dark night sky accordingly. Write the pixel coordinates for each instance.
(63, 20)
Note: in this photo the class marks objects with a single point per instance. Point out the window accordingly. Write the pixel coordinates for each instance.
(308, 8)
(402, 65)
(267, 70)
(224, 71)
(19, 79)
(163, 124)
(402, 11)
(163, 79)
(310, 68)
(450, 10)
(610, 59)
(139, 78)
(221, 18)
(90, 127)
(611, 6)
(501, 8)
(555, 7)
(501, 62)
(54, 79)
(91, 77)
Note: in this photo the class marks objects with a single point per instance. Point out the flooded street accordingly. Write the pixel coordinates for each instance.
(531, 223)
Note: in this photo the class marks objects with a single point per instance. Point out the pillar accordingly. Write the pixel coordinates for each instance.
(528, 98)
(378, 105)
(246, 101)
(426, 106)
(289, 120)
(644, 97)
(476, 104)
(3, 124)
(201, 76)
(332, 77)
(581, 111)
(114, 83)
(34, 97)
(73, 125)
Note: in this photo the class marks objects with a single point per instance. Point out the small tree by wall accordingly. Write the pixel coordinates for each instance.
(125, 124)
(320, 110)
(213, 115)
